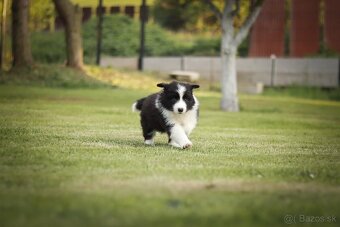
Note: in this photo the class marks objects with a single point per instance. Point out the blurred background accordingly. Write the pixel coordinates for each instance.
(185, 34)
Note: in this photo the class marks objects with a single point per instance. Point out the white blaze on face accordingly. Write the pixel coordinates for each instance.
(180, 106)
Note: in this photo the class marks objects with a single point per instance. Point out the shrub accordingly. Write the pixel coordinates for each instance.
(206, 46)
(121, 38)
(48, 47)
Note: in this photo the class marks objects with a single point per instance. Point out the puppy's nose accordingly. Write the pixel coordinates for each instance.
(180, 110)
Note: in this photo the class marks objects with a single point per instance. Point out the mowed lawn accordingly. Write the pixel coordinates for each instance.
(76, 158)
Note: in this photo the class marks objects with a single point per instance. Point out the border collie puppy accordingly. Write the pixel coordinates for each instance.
(173, 110)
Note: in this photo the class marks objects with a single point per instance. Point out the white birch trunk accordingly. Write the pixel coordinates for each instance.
(229, 46)
(229, 100)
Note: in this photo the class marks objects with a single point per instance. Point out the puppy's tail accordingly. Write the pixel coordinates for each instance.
(137, 106)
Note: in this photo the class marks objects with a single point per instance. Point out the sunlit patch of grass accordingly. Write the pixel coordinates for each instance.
(123, 79)
(50, 76)
(91, 77)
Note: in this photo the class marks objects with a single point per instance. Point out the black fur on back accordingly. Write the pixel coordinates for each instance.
(139, 103)
(151, 118)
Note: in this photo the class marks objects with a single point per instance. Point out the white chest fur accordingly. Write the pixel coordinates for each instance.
(186, 120)
(182, 124)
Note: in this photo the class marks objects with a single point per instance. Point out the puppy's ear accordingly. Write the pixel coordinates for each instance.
(161, 85)
(194, 86)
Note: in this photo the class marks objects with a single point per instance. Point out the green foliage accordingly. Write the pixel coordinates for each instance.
(160, 42)
(194, 16)
(41, 14)
(121, 38)
(203, 46)
(183, 15)
(48, 47)
(243, 49)
(173, 14)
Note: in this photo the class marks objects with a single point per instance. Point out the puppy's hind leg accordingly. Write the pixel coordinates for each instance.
(149, 140)
(148, 135)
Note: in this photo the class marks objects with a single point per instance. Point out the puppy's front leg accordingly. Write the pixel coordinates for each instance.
(179, 138)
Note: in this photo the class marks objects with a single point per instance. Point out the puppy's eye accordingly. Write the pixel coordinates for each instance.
(186, 97)
(173, 97)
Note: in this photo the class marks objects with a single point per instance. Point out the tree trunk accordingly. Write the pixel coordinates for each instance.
(229, 45)
(22, 55)
(3, 34)
(229, 100)
(71, 17)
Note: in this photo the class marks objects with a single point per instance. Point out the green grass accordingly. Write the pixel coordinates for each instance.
(50, 76)
(76, 158)
(305, 92)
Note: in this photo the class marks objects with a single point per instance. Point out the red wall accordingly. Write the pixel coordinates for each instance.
(305, 30)
(332, 24)
(267, 34)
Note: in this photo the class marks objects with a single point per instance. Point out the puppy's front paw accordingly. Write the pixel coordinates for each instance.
(187, 145)
(149, 142)
(172, 143)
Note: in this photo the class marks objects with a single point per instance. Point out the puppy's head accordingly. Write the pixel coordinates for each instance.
(177, 97)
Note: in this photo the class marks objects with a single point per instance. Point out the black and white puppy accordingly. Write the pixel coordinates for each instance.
(173, 110)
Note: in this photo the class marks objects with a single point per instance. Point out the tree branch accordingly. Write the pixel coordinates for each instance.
(258, 3)
(244, 30)
(214, 8)
(227, 19)
(228, 8)
(237, 9)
